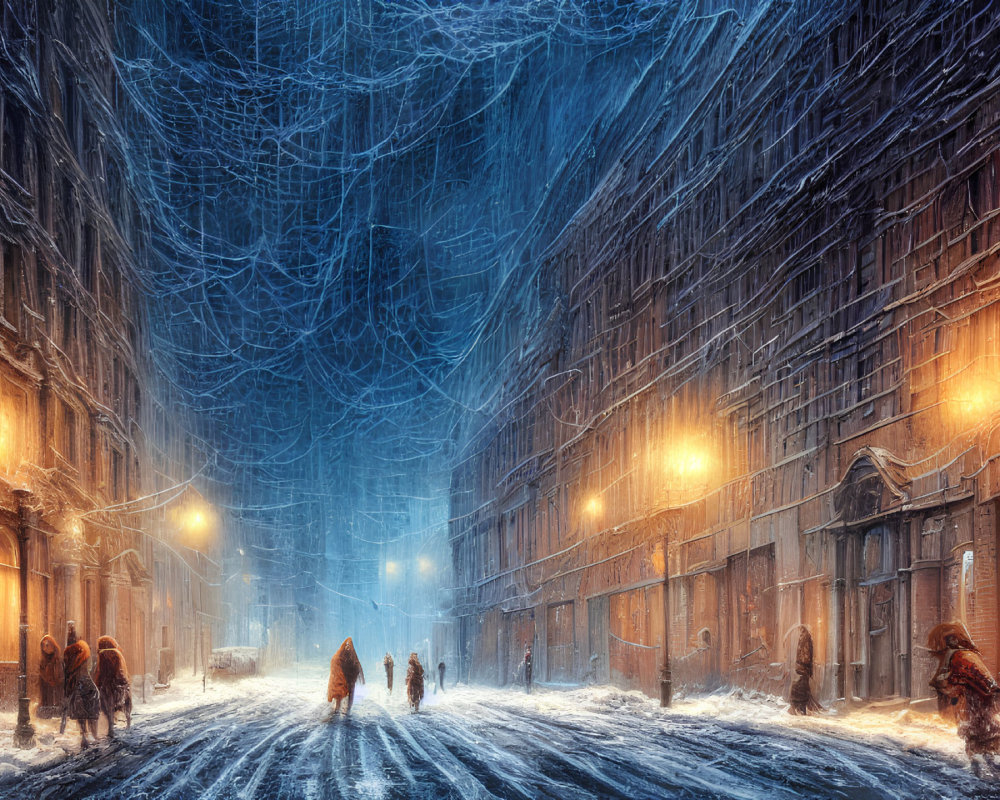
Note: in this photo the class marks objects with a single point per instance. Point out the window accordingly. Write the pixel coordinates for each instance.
(967, 594)
(69, 435)
(11, 264)
(117, 476)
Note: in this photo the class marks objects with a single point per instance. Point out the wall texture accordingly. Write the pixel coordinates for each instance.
(768, 370)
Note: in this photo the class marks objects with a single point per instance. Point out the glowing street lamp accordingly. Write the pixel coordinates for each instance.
(391, 569)
(594, 506)
(973, 396)
(425, 565)
(196, 522)
(686, 465)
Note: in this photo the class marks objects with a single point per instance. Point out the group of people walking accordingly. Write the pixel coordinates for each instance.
(414, 678)
(346, 670)
(68, 684)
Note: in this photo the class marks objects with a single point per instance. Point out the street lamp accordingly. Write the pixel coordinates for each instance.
(973, 395)
(196, 523)
(686, 468)
(594, 505)
(24, 732)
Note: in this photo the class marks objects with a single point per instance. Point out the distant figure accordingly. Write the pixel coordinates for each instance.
(82, 701)
(345, 669)
(50, 673)
(527, 669)
(388, 663)
(801, 696)
(964, 684)
(441, 675)
(414, 682)
(111, 678)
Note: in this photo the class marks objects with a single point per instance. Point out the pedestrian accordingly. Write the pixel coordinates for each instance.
(414, 682)
(111, 678)
(441, 675)
(50, 673)
(345, 670)
(388, 663)
(81, 700)
(527, 669)
(963, 682)
(801, 696)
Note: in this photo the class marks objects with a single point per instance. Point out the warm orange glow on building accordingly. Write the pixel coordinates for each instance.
(594, 506)
(973, 395)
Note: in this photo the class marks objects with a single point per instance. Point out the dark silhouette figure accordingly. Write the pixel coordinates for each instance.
(414, 682)
(345, 670)
(111, 678)
(527, 669)
(801, 696)
(388, 663)
(441, 675)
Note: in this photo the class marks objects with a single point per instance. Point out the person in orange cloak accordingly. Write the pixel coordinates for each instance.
(414, 682)
(345, 669)
(82, 699)
(966, 688)
(111, 678)
(50, 672)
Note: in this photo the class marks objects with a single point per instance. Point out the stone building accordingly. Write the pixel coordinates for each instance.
(767, 379)
(80, 482)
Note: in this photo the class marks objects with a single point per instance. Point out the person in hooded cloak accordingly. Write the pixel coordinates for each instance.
(112, 681)
(50, 672)
(801, 696)
(345, 669)
(966, 690)
(414, 682)
(82, 700)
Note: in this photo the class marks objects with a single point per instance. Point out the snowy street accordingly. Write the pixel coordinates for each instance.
(276, 738)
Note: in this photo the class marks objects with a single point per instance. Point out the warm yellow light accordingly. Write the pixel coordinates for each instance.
(973, 397)
(594, 506)
(391, 567)
(686, 467)
(196, 523)
(688, 462)
(425, 565)
(76, 528)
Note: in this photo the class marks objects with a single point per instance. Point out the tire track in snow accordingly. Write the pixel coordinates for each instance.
(489, 744)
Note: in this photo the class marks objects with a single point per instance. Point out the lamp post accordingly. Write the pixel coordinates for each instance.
(687, 463)
(666, 679)
(24, 732)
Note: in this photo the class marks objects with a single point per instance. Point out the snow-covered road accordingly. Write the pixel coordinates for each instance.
(276, 738)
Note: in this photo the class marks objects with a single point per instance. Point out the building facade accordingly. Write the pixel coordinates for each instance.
(80, 482)
(765, 396)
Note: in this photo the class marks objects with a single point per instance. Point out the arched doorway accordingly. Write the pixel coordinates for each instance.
(871, 586)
